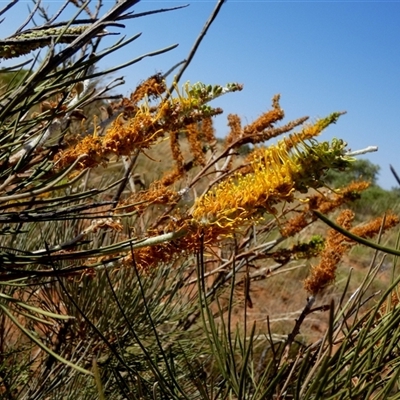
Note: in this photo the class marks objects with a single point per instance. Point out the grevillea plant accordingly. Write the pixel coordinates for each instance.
(119, 278)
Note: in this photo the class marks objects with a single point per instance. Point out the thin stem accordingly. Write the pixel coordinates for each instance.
(197, 43)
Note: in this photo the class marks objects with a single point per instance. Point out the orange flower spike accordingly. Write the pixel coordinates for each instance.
(354, 188)
(152, 87)
(295, 224)
(235, 126)
(139, 131)
(208, 130)
(372, 228)
(266, 120)
(325, 272)
(90, 145)
(193, 136)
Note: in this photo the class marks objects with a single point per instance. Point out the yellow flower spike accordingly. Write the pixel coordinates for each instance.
(237, 200)
(311, 130)
(276, 173)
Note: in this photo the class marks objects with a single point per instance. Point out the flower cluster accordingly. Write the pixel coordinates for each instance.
(139, 125)
(262, 129)
(324, 203)
(273, 175)
(337, 245)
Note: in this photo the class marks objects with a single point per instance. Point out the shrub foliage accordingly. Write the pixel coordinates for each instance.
(132, 239)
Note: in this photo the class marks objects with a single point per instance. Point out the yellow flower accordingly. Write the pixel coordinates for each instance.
(241, 197)
(276, 173)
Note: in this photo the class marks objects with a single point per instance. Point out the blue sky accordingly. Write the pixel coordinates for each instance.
(320, 56)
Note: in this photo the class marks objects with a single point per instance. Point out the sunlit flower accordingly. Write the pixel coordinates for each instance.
(274, 175)
(139, 124)
(239, 198)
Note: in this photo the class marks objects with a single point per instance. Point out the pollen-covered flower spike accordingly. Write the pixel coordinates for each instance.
(275, 174)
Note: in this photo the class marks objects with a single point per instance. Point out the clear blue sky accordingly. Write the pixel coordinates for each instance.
(320, 56)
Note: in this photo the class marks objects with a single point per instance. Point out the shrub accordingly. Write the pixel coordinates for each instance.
(116, 286)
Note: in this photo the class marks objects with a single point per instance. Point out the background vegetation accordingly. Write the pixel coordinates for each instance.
(144, 258)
